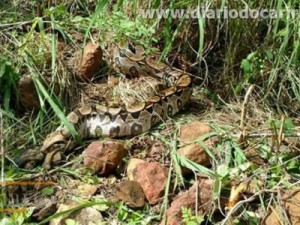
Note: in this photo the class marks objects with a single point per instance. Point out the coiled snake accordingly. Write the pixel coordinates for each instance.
(99, 121)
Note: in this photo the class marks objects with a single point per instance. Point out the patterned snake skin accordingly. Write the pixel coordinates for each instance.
(100, 121)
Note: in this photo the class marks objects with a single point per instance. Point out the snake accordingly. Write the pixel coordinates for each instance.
(96, 120)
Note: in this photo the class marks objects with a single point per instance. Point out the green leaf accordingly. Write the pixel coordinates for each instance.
(223, 170)
(47, 191)
(196, 167)
(246, 66)
(2, 68)
(77, 19)
(71, 222)
(269, 54)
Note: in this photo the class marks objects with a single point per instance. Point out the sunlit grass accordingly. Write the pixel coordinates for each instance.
(228, 54)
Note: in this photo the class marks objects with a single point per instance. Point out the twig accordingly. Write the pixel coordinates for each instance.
(280, 133)
(1, 146)
(263, 135)
(283, 210)
(244, 113)
(240, 203)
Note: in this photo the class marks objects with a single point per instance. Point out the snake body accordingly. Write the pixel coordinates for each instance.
(100, 121)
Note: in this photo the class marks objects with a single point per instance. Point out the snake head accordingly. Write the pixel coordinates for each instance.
(56, 139)
(29, 158)
(54, 142)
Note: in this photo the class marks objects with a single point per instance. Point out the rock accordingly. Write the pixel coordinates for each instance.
(90, 62)
(29, 98)
(188, 200)
(28, 95)
(131, 166)
(85, 216)
(131, 193)
(103, 157)
(196, 154)
(63, 207)
(189, 133)
(153, 179)
(86, 190)
(192, 131)
(290, 204)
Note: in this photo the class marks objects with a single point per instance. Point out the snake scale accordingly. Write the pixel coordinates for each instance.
(101, 121)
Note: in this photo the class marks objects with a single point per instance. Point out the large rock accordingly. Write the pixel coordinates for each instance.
(189, 199)
(90, 62)
(103, 157)
(152, 177)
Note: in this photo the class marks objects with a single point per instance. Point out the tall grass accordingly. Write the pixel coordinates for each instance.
(230, 53)
(225, 46)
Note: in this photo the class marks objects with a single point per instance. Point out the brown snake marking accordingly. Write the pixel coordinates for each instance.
(98, 121)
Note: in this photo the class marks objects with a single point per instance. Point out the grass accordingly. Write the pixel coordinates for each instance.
(230, 54)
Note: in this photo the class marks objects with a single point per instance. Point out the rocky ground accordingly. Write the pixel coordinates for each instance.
(176, 174)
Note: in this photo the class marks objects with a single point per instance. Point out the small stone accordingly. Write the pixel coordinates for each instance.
(90, 62)
(190, 132)
(131, 193)
(29, 98)
(86, 190)
(196, 154)
(104, 157)
(190, 149)
(87, 216)
(28, 95)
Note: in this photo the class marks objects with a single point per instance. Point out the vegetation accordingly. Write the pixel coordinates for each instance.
(226, 57)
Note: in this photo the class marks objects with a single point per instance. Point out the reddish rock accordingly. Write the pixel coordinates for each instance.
(103, 157)
(189, 134)
(196, 154)
(28, 95)
(153, 179)
(192, 131)
(131, 193)
(188, 200)
(90, 62)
